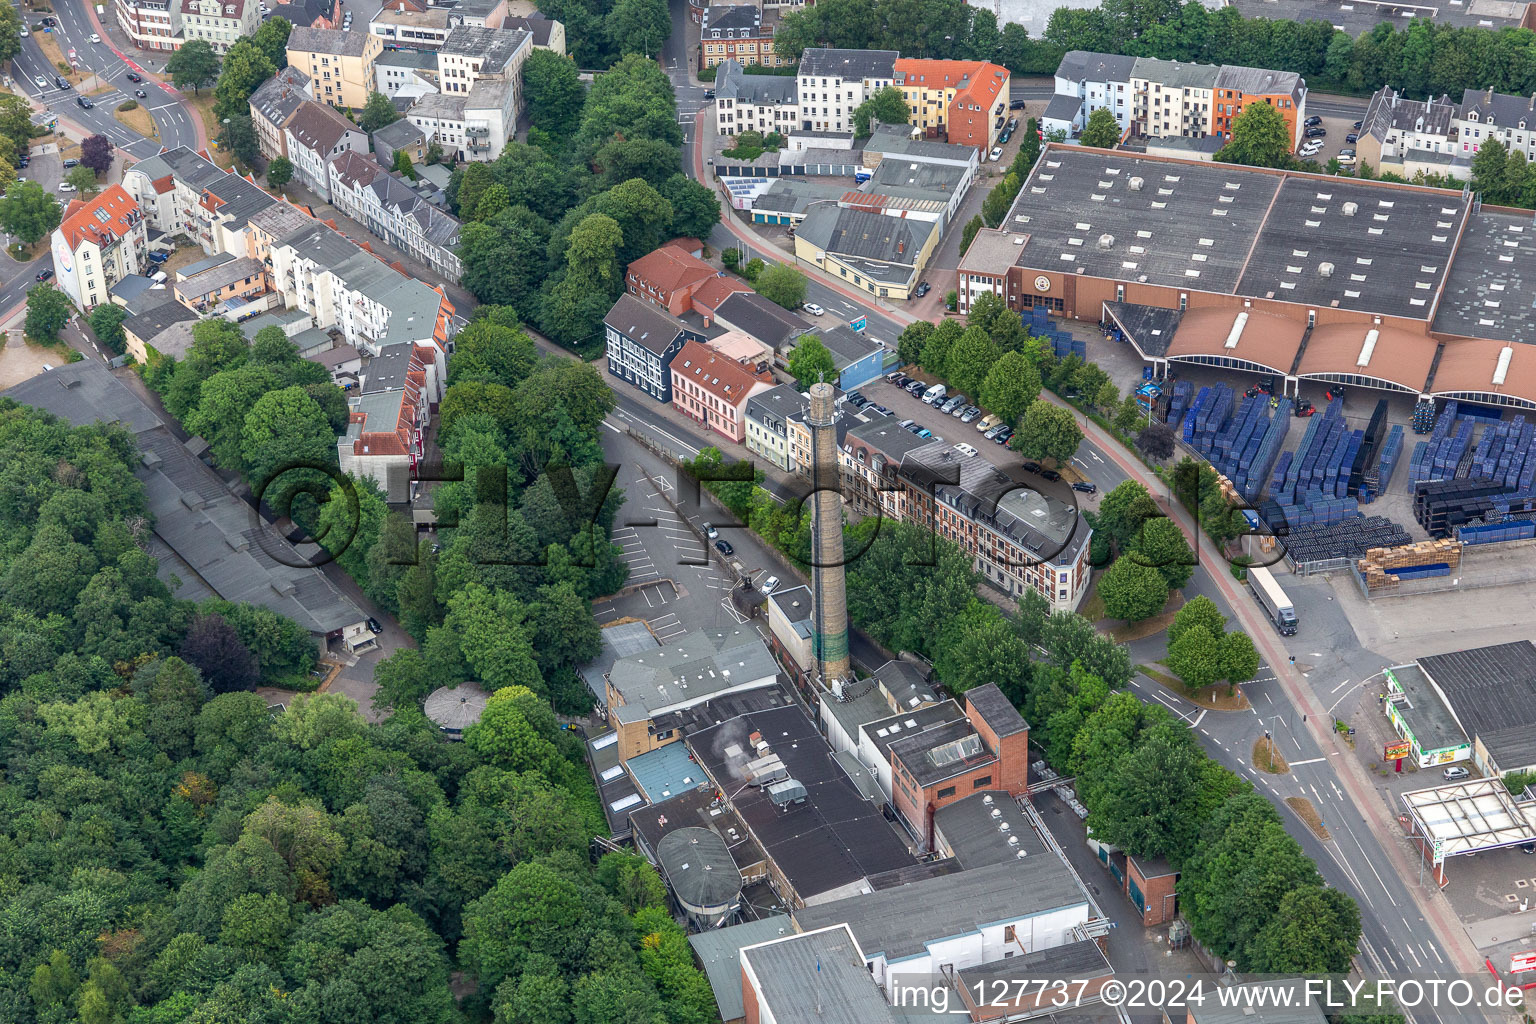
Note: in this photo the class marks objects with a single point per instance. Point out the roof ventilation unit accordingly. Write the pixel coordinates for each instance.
(1502, 369)
(1350, 209)
(1238, 323)
(1371, 337)
(1137, 184)
(1106, 241)
(1325, 269)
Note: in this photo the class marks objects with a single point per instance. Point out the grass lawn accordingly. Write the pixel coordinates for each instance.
(1220, 697)
(203, 104)
(140, 120)
(1307, 813)
(1093, 607)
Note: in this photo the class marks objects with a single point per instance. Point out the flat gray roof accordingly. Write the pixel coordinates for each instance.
(1491, 292)
(1431, 721)
(996, 710)
(1492, 691)
(1091, 66)
(900, 922)
(822, 61)
(1360, 16)
(1300, 1011)
(818, 976)
(1302, 238)
(971, 829)
(719, 950)
(689, 670)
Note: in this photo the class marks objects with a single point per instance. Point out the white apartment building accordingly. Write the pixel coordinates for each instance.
(393, 210)
(316, 135)
(99, 242)
(219, 22)
(1170, 98)
(1406, 136)
(1085, 82)
(150, 24)
(399, 25)
(476, 126)
(760, 103)
(832, 83)
(1488, 115)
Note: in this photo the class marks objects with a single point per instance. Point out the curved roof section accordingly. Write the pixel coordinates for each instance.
(456, 708)
(1399, 358)
(1481, 368)
(1265, 339)
(699, 866)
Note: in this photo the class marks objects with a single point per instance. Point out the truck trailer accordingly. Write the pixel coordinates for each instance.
(1279, 608)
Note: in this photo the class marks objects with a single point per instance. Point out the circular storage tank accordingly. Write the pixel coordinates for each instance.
(702, 873)
(456, 708)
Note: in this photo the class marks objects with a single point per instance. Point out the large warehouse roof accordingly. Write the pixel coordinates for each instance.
(1487, 371)
(1305, 238)
(1492, 289)
(1265, 339)
(1492, 692)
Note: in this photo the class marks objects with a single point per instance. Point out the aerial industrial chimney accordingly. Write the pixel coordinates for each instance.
(829, 597)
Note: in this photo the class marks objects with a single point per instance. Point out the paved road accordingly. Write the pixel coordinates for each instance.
(74, 32)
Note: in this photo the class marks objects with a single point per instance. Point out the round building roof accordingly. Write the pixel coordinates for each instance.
(700, 868)
(456, 708)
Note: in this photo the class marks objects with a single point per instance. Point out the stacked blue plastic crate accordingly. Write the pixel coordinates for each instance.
(1183, 393)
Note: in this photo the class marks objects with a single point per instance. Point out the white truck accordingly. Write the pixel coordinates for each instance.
(1279, 608)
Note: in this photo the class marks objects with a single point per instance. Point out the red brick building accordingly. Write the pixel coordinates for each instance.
(988, 749)
(668, 278)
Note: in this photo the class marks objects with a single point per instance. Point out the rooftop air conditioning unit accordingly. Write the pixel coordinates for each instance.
(1137, 184)
(1325, 269)
(1106, 241)
(1350, 209)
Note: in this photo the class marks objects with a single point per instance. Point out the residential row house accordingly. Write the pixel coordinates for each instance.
(1168, 99)
(316, 136)
(768, 419)
(712, 389)
(964, 101)
(273, 106)
(313, 267)
(164, 25)
(387, 418)
(757, 103)
(831, 83)
(1019, 540)
(396, 211)
(97, 243)
(1437, 135)
(739, 32)
(669, 277)
(642, 340)
(240, 284)
(339, 63)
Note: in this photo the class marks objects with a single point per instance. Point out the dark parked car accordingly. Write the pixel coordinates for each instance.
(1314, 119)
(1316, 132)
(724, 547)
(1358, 125)
(1016, 105)
(1352, 137)
(135, 77)
(1031, 467)
(709, 94)
(84, 103)
(1050, 474)
(917, 387)
(1087, 487)
(923, 288)
(374, 626)
(882, 410)
(903, 380)
(1003, 436)
(71, 162)
(43, 275)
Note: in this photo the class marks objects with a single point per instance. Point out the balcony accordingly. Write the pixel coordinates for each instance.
(473, 128)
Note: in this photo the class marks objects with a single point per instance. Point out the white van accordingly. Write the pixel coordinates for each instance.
(934, 394)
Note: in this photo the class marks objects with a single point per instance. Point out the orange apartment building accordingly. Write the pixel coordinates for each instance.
(987, 749)
(1237, 87)
(668, 277)
(712, 389)
(965, 101)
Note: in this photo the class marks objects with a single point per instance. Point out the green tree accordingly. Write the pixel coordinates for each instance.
(194, 64)
(555, 94)
(1123, 511)
(1490, 167)
(968, 233)
(970, 360)
(1197, 611)
(1261, 137)
(28, 212)
(1010, 387)
(272, 40)
(106, 322)
(1132, 591)
(492, 202)
(935, 357)
(48, 310)
(1048, 432)
(279, 172)
(287, 429)
(810, 361)
(84, 180)
(239, 136)
(639, 26)
(1160, 544)
(1316, 931)
(782, 284)
(1196, 657)
(995, 207)
(1239, 658)
(909, 347)
(245, 68)
(10, 33)
(887, 106)
(695, 208)
(1157, 799)
(378, 112)
(1102, 130)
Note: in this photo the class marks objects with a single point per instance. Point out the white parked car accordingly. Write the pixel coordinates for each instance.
(65, 186)
(769, 584)
(42, 83)
(95, 38)
(996, 154)
(711, 532)
(813, 309)
(1452, 774)
(965, 449)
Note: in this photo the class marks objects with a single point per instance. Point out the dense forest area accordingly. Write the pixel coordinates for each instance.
(551, 225)
(171, 851)
(1418, 58)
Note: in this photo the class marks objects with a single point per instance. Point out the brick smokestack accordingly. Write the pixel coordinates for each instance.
(829, 588)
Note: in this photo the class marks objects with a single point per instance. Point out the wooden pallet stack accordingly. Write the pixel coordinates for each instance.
(1378, 565)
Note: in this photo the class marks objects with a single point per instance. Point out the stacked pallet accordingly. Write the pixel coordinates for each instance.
(1385, 568)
